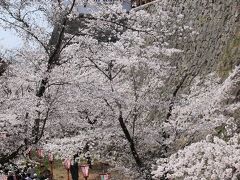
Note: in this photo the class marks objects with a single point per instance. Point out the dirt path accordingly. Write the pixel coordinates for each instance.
(61, 174)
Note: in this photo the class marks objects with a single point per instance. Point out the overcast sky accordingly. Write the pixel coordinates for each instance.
(9, 40)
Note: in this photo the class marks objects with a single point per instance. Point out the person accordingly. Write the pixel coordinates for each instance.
(28, 177)
(31, 170)
(35, 177)
(87, 155)
(44, 173)
(10, 176)
(23, 174)
(18, 175)
(74, 168)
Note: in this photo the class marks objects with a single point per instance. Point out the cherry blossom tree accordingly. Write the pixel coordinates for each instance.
(90, 85)
(210, 111)
(25, 89)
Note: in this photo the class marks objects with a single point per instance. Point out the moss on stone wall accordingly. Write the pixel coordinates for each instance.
(230, 56)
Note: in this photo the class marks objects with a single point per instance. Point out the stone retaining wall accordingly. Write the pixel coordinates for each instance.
(217, 23)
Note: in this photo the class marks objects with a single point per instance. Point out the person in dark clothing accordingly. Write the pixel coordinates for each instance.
(87, 155)
(18, 175)
(74, 168)
(44, 173)
(23, 175)
(10, 176)
(28, 177)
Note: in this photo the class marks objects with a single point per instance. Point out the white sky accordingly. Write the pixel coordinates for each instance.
(9, 40)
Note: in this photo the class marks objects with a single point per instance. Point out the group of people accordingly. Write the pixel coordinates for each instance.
(29, 172)
(40, 172)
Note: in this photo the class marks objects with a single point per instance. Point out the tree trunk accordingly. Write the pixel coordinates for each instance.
(131, 142)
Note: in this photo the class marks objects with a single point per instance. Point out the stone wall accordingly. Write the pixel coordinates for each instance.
(216, 47)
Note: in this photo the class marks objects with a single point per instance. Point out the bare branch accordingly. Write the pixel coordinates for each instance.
(29, 32)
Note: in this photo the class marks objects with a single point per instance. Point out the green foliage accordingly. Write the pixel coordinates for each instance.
(221, 132)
